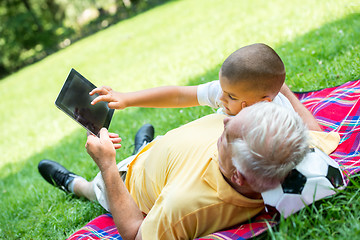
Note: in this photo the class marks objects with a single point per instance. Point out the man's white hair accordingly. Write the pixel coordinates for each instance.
(273, 140)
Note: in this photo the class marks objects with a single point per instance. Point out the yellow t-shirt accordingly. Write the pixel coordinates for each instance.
(176, 181)
(325, 141)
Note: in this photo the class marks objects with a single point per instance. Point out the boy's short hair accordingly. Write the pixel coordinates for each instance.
(270, 145)
(257, 64)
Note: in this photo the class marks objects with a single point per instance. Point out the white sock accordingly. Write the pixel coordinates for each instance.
(72, 183)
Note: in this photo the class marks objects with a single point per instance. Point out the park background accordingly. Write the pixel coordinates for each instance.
(132, 45)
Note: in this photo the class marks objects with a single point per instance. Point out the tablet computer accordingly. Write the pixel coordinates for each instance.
(75, 101)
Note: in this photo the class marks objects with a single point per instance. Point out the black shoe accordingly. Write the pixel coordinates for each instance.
(56, 174)
(143, 136)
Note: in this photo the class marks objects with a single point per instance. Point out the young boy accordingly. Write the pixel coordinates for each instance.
(251, 74)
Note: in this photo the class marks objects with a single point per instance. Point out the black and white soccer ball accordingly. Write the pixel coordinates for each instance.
(314, 178)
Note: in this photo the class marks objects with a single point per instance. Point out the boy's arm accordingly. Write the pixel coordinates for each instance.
(159, 97)
(304, 113)
(127, 215)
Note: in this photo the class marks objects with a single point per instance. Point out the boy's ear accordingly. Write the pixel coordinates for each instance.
(243, 105)
(238, 178)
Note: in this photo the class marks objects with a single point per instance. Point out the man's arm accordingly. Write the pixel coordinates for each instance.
(159, 97)
(126, 214)
(304, 113)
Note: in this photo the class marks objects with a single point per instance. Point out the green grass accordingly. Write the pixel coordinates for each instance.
(179, 43)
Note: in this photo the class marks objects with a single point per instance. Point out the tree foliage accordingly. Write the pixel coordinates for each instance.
(33, 29)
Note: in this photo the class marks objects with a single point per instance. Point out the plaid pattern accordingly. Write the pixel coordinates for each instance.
(336, 109)
(102, 227)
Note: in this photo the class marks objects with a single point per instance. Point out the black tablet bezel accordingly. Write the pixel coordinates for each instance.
(59, 101)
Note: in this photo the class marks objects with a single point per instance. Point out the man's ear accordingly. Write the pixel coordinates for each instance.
(266, 99)
(238, 178)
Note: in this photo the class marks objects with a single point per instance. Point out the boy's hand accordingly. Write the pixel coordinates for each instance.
(102, 149)
(106, 94)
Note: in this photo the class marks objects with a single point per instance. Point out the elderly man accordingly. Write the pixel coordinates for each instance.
(197, 179)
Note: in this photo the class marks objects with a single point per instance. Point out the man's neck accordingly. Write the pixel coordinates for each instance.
(249, 193)
(245, 190)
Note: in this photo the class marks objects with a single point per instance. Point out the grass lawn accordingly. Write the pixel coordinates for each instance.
(178, 43)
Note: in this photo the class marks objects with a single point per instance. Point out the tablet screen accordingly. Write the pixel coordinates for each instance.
(74, 100)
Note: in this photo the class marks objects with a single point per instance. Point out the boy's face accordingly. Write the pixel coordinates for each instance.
(237, 96)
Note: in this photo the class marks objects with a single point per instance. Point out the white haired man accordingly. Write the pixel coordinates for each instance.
(197, 179)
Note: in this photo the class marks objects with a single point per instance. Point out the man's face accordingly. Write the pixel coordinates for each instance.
(231, 130)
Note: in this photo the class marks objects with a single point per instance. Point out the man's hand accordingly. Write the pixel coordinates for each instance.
(116, 100)
(102, 149)
(127, 215)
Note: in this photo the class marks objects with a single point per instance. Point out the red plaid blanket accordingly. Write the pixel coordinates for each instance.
(336, 109)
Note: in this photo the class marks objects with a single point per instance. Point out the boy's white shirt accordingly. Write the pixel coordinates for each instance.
(208, 94)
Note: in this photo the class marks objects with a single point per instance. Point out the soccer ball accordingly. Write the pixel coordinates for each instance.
(312, 179)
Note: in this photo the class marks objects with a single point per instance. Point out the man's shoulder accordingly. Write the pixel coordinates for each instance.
(214, 120)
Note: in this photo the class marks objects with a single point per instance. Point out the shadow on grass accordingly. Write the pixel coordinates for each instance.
(325, 57)
(30, 207)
